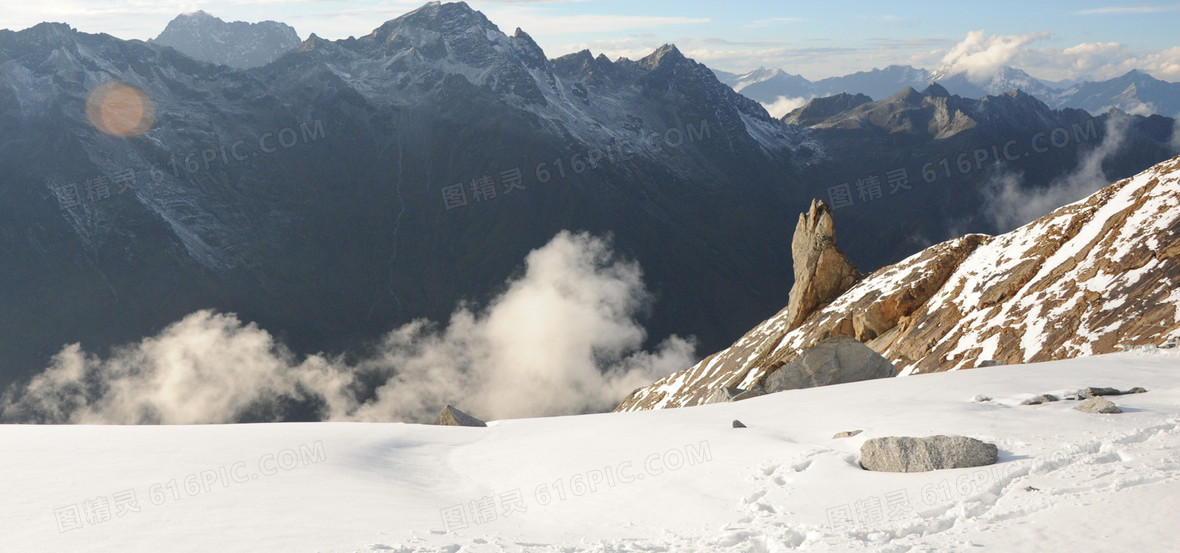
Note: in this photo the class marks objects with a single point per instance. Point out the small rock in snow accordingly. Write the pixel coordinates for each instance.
(846, 434)
(1098, 404)
(738, 424)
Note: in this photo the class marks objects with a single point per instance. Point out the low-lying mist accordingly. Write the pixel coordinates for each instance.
(562, 338)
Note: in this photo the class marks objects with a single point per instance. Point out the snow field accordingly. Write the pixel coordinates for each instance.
(669, 480)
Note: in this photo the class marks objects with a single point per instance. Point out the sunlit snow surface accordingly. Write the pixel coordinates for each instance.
(665, 480)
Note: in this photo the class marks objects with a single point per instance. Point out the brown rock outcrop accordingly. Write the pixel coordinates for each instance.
(1085, 279)
(822, 272)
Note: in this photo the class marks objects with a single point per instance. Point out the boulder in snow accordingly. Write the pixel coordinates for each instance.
(1098, 391)
(908, 454)
(1098, 404)
(832, 361)
(846, 434)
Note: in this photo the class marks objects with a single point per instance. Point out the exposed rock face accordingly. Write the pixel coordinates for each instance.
(453, 417)
(1100, 405)
(1088, 277)
(820, 109)
(833, 361)
(822, 272)
(905, 454)
(875, 306)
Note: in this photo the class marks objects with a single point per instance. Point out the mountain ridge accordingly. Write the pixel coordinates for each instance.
(1089, 278)
(1133, 92)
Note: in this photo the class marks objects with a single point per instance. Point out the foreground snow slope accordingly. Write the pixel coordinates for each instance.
(665, 480)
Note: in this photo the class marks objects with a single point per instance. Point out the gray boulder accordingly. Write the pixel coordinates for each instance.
(722, 395)
(1100, 405)
(907, 454)
(846, 434)
(1136, 390)
(754, 391)
(1096, 391)
(990, 363)
(738, 424)
(832, 361)
(453, 417)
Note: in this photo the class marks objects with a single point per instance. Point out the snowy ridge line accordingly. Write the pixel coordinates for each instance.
(1091, 277)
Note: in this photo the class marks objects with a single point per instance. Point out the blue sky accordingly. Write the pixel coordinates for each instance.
(1051, 40)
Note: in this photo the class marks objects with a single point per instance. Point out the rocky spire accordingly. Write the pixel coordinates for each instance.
(822, 272)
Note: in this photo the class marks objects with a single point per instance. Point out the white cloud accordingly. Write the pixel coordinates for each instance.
(1176, 134)
(980, 55)
(1102, 60)
(1130, 10)
(561, 339)
(784, 105)
(1009, 203)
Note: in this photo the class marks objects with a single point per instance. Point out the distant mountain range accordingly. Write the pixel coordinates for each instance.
(242, 45)
(238, 44)
(1135, 92)
(351, 186)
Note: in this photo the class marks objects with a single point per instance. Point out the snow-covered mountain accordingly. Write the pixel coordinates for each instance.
(1086, 279)
(1005, 79)
(237, 44)
(768, 85)
(352, 186)
(379, 179)
(680, 480)
(1135, 92)
(877, 83)
(739, 81)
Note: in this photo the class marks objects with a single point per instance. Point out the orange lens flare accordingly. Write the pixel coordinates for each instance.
(121, 110)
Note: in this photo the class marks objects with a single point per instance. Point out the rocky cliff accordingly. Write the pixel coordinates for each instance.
(1085, 279)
